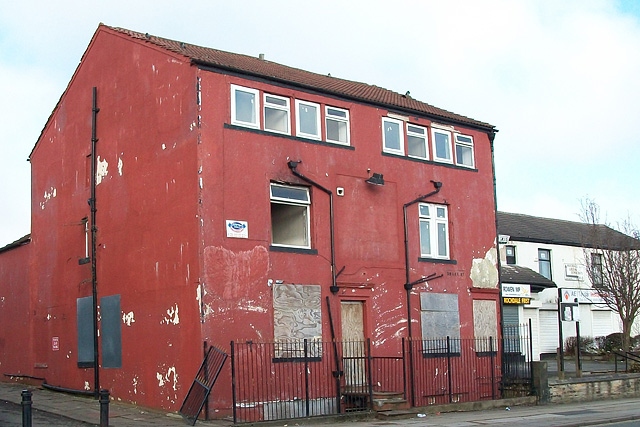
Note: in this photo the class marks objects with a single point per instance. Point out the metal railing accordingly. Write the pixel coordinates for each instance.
(297, 379)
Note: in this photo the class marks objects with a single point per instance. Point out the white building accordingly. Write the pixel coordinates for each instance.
(553, 249)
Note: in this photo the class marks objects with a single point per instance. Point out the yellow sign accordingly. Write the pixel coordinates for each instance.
(516, 300)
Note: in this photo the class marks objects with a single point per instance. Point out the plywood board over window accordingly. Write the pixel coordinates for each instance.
(296, 317)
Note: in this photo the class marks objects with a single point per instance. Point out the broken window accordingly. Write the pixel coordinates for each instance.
(290, 216)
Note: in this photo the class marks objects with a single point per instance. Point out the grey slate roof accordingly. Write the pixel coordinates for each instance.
(253, 66)
(21, 241)
(527, 228)
(516, 274)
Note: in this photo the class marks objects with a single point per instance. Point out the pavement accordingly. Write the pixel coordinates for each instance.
(81, 409)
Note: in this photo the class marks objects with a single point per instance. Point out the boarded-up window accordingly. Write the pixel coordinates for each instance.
(296, 317)
(84, 316)
(440, 318)
(111, 331)
(485, 324)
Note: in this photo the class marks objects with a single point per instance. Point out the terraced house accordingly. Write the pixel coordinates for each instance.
(236, 199)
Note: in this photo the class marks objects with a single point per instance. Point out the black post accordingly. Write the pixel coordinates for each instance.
(26, 408)
(306, 377)
(578, 361)
(104, 408)
(560, 337)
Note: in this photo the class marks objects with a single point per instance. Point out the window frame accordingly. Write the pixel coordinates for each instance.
(270, 105)
(256, 106)
(401, 132)
(291, 202)
(546, 261)
(436, 158)
(508, 257)
(414, 134)
(433, 221)
(346, 120)
(301, 103)
(469, 145)
(597, 271)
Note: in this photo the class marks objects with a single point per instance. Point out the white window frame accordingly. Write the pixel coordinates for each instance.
(256, 106)
(465, 144)
(292, 202)
(332, 117)
(436, 158)
(270, 105)
(424, 136)
(434, 221)
(299, 132)
(400, 124)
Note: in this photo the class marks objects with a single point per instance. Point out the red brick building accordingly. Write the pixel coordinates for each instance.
(233, 197)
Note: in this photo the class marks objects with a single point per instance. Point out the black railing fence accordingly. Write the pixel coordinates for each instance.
(296, 379)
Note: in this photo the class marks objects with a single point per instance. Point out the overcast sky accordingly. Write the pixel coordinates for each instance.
(559, 79)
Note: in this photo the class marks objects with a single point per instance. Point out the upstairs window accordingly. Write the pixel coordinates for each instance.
(434, 231)
(417, 142)
(307, 119)
(392, 139)
(276, 113)
(510, 254)
(464, 150)
(337, 123)
(244, 106)
(290, 216)
(441, 145)
(544, 263)
(596, 269)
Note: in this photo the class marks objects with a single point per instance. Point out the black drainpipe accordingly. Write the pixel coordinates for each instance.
(94, 230)
(408, 285)
(293, 165)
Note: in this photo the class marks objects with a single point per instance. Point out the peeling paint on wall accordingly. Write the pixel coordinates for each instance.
(484, 271)
(128, 319)
(48, 195)
(101, 170)
(172, 314)
(168, 378)
(135, 385)
(87, 386)
(120, 164)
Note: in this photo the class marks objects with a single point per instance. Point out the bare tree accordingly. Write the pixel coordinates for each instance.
(612, 260)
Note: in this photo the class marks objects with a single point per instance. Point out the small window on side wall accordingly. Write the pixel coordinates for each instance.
(392, 140)
(510, 252)
(442, 146)
(307, 119)
(337, 124)
(276, 113)
(290, 216)
(464, 151)
(245, 106)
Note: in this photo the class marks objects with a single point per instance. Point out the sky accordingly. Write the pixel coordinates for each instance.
(560, 80)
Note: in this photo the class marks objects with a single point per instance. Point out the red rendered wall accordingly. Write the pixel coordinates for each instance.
(147, 220)
(15, 314)
(238, 164)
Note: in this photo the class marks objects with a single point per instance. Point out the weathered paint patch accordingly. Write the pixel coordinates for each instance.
(172, 316)
(102, 170)
(484, 271)
(128, 318)
(87, 386)
(135, 385)
(48, 195)
(120, 165)
(168, 378)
